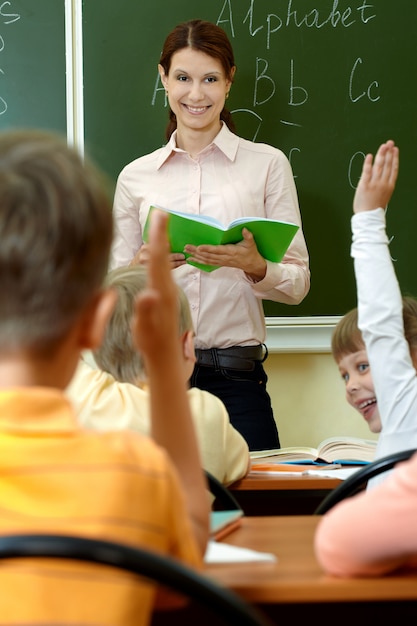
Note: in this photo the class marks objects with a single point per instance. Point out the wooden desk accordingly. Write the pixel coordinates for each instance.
(269, 494)
(295, 587)
(294, 590)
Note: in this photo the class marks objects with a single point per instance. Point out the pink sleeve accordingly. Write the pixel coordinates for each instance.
(374, 532)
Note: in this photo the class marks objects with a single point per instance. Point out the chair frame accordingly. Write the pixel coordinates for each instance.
(156, 567)
(356, 482)
(223, 497)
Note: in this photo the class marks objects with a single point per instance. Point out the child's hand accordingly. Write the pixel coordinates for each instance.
(377, 181)
(155, 325)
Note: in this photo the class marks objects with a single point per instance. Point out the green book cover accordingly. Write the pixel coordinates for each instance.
(272, 237)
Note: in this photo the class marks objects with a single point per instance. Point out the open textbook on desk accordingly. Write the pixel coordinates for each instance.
(340, 450)
(272, 237)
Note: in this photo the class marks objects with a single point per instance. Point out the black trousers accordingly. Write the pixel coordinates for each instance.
(246, 399)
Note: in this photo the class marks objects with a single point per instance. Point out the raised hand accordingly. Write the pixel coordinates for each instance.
(155, 326)
(377, 182)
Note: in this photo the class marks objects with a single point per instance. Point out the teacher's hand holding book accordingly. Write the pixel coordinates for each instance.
(245, 243)
(243, 255)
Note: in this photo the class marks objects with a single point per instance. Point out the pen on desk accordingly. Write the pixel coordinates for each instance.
(276, 467)
(291, 468)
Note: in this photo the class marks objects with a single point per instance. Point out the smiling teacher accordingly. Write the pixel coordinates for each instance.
(207, 169)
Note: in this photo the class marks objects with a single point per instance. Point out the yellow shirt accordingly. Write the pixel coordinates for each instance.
(57, 478)
(102, 403)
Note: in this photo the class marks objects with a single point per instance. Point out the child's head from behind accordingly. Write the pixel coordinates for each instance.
(117, 354)
(55, 231)
(350, 354)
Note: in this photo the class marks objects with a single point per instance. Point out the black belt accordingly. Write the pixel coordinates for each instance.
(235, 358)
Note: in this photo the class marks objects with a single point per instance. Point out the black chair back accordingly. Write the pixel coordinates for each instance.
(225, 605)
(358, 480)
(223, 497)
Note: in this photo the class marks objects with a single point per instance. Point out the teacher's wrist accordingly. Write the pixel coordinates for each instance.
(257, 273)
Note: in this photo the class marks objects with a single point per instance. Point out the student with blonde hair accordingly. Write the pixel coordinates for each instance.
(117, 354)
(116, 396)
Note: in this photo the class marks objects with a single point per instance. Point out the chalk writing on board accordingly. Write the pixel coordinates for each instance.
(371, 90)
(290, 158)
(158, 87)
(295, 16)
(265, 26)
(250, 113)
(298, 95)
(261, 75)
(6, 18)
(361, 155)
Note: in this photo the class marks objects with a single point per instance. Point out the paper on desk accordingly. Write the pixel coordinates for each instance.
(218, 552)
(341, 473)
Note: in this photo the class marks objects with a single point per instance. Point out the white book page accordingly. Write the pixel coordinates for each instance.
(218, 552)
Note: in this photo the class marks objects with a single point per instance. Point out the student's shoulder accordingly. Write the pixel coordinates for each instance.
(89, 381)
(212, 420)
(206, 405)
(134, 450)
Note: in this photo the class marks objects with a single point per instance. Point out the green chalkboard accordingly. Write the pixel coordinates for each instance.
(324, 80)
(32, 64)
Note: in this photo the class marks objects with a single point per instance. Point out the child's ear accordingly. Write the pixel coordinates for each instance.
(188, 346)
(95, 319)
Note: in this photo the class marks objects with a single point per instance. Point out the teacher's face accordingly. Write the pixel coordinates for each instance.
(197, 88)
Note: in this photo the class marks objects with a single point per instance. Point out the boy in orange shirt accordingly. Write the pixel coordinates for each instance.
(56, 231)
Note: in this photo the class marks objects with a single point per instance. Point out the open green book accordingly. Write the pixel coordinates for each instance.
(272, 237)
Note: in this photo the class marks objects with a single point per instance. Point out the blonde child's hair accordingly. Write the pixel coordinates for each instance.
(117, 354)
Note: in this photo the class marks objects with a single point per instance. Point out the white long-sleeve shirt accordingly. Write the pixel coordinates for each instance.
(380, 320)
(375, 531)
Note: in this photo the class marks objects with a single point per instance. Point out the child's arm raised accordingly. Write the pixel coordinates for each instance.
(378, 179)
(380, 306)
(155, 330)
